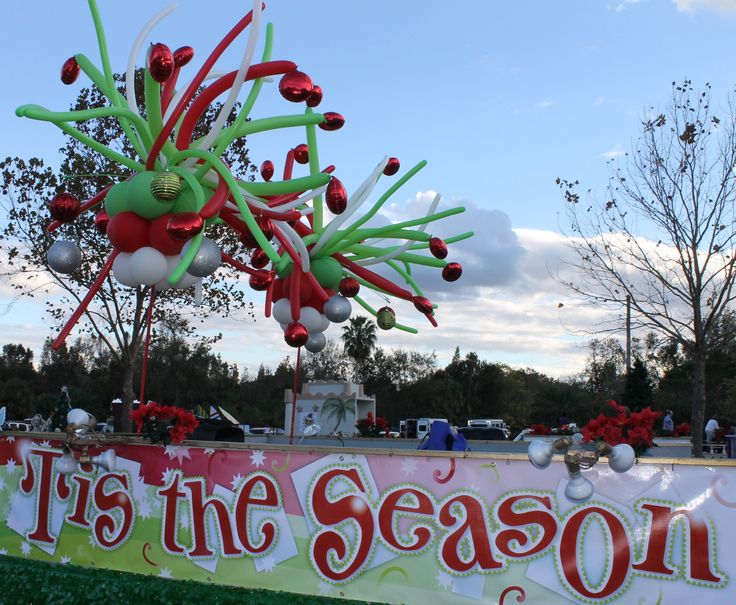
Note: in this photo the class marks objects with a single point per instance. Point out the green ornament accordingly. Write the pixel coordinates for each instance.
(141, 199)
(327, 271)
(166, 186)
(386, 318)
(117, 199)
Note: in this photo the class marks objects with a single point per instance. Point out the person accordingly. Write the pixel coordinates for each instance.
(668, 425)
(710, 430)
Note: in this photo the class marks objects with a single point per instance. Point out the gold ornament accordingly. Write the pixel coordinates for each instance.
(166, 186)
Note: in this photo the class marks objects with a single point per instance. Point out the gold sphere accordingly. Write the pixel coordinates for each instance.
(166, 186)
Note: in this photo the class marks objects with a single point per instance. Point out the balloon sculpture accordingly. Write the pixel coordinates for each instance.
(309, 262)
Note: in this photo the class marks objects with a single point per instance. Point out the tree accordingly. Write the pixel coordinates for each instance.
(359, 340)
(331, 363)
(117, 316)
(665, 233)
(336, 408)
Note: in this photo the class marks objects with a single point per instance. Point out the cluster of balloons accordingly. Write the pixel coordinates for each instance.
(304, 243)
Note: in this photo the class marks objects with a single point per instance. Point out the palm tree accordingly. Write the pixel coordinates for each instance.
(359, 340)
(336, 408)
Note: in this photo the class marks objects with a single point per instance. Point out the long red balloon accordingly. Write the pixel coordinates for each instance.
(374, 278)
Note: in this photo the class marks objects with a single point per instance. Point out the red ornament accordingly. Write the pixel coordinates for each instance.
(259, 259)
(267, 170)
(315, 97)
(184, 226)
(349, 287)
(452, 271)
(437, 247)
(336, 197)
(296, 334)
(183, 55)
(101, 220)
(301, 153)
(160, 62)
(261, 280)
(161, 239)
(333, 121)
(64, 207)
(423, 305)
(128, 232)
(249, 239)
(70, 71)
(392, 167)
(295, 86)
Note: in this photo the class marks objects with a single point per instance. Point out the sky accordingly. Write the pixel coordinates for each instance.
(500, 98)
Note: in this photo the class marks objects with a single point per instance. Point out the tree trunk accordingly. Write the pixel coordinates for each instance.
(697, 419)
(123, 421)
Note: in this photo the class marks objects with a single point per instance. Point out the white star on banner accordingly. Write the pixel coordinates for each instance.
(25, 548)
(236, 480)
(10, 439)
(409, 466)
(209, 450)
(179, 452)
(269, 564)
(165, 573)
(166, 476)
(3, 551)
(91, 540)
(257, 458)
(2, 483)
(65, 559)
(144, 509)
(10, 466)
(45, 443)
(444, 579)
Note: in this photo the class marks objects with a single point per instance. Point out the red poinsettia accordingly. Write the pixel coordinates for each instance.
(682, 430)
(540, 429)
(372, 427)
(164, 423)
(622, 426)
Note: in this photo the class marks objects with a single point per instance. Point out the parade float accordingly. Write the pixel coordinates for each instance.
(374, 525)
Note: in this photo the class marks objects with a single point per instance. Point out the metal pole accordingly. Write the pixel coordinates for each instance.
(628, 335)
(293, 401)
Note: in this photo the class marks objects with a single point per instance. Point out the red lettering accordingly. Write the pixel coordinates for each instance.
(78, 517)
(621, 558)
(43, 497)
(104, 523)
(348, 508)
(696, 535)
(470, 523)
(420, 534)
(199, 511)
(246, 499)
(508, 516)
(171, 494)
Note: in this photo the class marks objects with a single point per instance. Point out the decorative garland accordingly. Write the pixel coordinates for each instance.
(164, 423)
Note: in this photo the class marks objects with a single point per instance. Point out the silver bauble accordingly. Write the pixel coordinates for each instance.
(338, 308)
(208, 258)
(64, 256)
(316, 342)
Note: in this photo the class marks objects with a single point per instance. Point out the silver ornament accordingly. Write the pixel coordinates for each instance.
(316, 342)
(64, 256)
(338, 308)
(207, 260)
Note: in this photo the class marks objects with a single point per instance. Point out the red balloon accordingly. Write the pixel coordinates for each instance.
(259, 259)
(277, 292)
(349, 287)
(301, 153)
(267, 170)
(452, 272)
(261, 280)
(160, 62)
(437, 247)
(392, 167)
(64, 207)
(161, 239)
(128, 232)
(333, 121)
(305, 290)
(296, 334)
(101, 220)
(183, 55)
(423, 305)
(315, 97)
(315, 302)
(336, 197)
(295, 86)
(70, 71)
(185, 225)
(249, 239)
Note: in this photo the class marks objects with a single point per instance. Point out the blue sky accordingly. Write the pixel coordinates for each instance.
(499, 97)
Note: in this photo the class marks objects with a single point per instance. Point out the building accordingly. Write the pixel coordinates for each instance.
(343, 403)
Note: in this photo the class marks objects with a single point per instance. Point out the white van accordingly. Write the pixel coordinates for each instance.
(489, 423)
(417, 428)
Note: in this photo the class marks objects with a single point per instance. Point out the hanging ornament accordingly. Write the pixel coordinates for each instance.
(64, 256)
(160, 62)
(185, 225)
(296, 334)
(392, 167)
(437, 247)
(267, 170)
(166, 186)
(316, 342)
(336, 197)
(295, 86)
(259, 259)
(101, 221)
(261, 280)
(301, 153)
(207, 260)
(452, 272)
(64, 207)
(349, 287)
(333, 121)
(338, 309)
(423, 305)
(265, 225)
(386, 318)
(70, 71)
(315, 97)
(183, 55)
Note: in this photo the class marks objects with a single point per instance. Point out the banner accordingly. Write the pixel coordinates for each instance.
(395, 527)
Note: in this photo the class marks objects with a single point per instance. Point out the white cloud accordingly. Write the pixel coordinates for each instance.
(543, 104)
(615, 152)
(689, 6)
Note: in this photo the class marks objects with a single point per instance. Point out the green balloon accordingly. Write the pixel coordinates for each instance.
(141, 199)
(186, 202)
(327, 271)
(117, 199)
(286, 271)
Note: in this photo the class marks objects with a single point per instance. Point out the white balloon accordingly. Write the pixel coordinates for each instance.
(310, 318)
(121, 270)
(187, 281)
(338, 308)
(316, 342)
(325, 323)
(148, 266)
(281, 311)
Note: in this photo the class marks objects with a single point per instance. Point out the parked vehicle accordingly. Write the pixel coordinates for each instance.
(472, 433)
(416, 428)
(488, 423)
